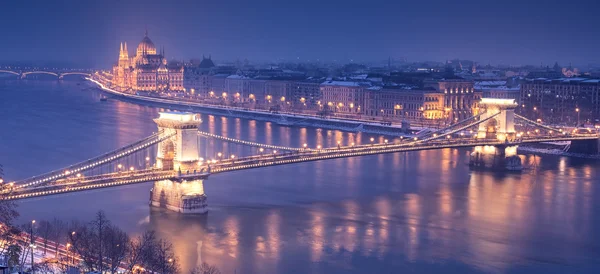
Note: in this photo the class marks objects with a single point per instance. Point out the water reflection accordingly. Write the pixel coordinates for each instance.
(423, 211)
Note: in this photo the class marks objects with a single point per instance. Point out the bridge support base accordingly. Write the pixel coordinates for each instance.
(185, 197)
(495, 157)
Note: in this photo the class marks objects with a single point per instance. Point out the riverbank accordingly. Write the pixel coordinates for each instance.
(279, 118)
(555, 151)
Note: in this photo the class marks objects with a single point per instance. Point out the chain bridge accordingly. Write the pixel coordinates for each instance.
(179, 158)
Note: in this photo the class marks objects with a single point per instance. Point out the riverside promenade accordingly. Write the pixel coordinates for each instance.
(291, 119)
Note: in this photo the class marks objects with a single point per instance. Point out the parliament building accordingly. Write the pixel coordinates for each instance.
(147, 71)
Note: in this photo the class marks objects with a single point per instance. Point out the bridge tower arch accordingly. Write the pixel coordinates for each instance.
(503, 112)
(180, 153)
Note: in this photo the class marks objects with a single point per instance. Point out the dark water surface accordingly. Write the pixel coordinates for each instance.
(414, 212)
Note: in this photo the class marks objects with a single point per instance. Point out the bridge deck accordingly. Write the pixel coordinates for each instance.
(264, 160)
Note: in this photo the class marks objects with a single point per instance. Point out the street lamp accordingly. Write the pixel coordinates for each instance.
(32, 245)
(372, 140)
(577, 110)
(68, 245)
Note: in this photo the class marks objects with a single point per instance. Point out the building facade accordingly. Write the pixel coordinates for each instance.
(147, 70)
(395, 103)
(460, 98)
(344, 97)
(561, 100)
(498, 90)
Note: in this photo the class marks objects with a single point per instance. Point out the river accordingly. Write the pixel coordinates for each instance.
(415, 212)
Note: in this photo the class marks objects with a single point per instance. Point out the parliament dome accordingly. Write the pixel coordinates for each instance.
(146, 46)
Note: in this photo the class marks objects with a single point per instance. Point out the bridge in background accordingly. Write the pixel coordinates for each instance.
(59, 74)
(179, 157)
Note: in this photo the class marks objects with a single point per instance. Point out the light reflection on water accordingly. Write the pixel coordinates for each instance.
(420, 211)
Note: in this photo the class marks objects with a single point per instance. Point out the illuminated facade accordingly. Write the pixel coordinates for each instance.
(147, 70)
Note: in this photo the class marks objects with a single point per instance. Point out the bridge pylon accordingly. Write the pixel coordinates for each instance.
(502, 125)
(180, 154)
(499, 124)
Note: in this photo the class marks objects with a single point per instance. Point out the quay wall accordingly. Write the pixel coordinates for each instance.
(279, 118)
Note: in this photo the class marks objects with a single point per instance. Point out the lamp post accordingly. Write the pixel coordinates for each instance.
(578, 112)
(32, 245)
(68, 245)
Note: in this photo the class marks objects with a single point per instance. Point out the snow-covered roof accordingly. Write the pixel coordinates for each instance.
(344, 84)
(490, 83)
(235, 76)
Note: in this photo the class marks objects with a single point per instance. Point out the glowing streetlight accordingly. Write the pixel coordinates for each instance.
(119, 166)
(304, 145)
(232, 157)
(131, 168)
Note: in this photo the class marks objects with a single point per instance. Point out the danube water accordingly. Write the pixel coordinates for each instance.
(416, 212)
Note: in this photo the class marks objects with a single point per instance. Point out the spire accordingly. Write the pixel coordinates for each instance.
(121, 50)
(126, 47)
(146, 33)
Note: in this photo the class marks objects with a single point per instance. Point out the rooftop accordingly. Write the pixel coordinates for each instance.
(345, 84)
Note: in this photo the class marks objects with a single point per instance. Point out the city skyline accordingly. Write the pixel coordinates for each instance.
(509, 33)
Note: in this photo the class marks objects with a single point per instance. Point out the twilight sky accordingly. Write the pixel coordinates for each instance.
(488, 31)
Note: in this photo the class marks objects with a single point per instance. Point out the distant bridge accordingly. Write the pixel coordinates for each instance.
(58, 74)
(492, 133)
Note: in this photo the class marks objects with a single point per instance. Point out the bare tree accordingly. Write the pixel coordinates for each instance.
(100, 225)
(141, 250)
(205, 268)
(115, 242)
(45, 231)
(8, 213)
(164, 260)
(84, 244)
(59, 234)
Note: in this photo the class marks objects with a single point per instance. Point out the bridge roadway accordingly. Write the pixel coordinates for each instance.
(59, 74)
(262, 160)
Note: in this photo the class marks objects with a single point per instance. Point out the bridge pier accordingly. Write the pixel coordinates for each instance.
(499, 157)
(181, 196)
(180, 153)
